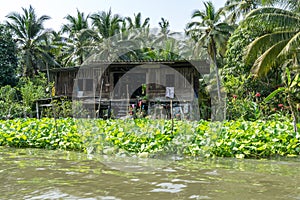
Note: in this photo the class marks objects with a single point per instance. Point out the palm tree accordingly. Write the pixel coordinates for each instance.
(106, 24)
(136, 22)
(78, 48)
(77, 45)
(58, 42)
(279, 44)
(278, 48)
(31, 37)
(211, 33)
(239, 8)
(292, 5)
(164, 26)
(76, 23)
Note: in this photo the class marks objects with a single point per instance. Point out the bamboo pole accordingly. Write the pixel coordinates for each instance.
(100, 94)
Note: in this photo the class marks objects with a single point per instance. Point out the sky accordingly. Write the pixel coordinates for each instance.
(177, 12)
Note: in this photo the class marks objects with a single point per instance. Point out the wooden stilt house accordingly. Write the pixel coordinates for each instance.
(158, 89)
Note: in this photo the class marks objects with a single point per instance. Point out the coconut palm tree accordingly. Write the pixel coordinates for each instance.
(58, 42)
(164, 26)
(212, 33)
(78, 43)
(106, 24)
(292, 5)
(31, 37)
(136, 22)
(278, 48)
(239, 8)
(75, 23)
(280, 43)
(78, 48)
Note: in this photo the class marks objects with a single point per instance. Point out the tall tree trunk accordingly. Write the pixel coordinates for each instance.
(214, 57)
(219, 105)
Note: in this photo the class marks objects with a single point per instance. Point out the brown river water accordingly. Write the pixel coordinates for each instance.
(45, 174)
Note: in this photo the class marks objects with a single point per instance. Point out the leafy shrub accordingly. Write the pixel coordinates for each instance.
(62, 108)
(19, 101)
(10, 107)
(8, 58)
(32, 90)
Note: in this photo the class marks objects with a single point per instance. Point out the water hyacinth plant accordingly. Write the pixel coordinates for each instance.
(152, 138)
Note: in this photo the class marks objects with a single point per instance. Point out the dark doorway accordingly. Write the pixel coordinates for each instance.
(133, 81)
(139, 79)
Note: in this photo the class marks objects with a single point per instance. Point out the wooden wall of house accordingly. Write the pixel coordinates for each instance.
(64, 82)
(181, 78)
(88, 82)
(157, 77)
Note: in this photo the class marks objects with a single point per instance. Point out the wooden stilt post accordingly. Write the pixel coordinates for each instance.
(128, 100)
(99, 103)
(171, 107)
(37, 109)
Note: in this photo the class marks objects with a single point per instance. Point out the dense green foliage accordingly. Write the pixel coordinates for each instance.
(19, 101)
(8, 58)
(155, 137)
(10, 107)
(32, 40)
(260, 26)
(44, 133)
(258, 54)
(236, 73)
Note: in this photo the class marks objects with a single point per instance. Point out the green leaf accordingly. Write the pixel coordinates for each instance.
(288, 76)
(24, 137)
(295, 81)
(274, 93)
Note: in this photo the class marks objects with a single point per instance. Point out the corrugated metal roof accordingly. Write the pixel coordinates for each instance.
(196, 63)
(134, 61)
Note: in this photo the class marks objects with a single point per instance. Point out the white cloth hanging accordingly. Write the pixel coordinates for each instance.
(170, 92)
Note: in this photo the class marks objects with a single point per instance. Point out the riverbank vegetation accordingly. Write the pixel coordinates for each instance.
(153, 138)
(254, 50)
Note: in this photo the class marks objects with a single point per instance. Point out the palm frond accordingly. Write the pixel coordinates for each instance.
(198, 13)
(267, 10)
(268, 59)
(263, 43)
(293, 44)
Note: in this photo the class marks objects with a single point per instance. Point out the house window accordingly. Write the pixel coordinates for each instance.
(170, 80)
(80, 84)
(88, 85)
(85, 84)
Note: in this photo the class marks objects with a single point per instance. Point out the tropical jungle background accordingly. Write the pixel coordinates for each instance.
(253, 45)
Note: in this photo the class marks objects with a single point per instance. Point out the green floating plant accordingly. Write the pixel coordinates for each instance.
(241, 139)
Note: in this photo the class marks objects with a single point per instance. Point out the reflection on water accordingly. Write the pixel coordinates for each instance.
(42, 174)
(169, 187)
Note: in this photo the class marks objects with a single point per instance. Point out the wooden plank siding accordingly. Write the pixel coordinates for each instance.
(122, 80)
(88, 79)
